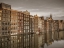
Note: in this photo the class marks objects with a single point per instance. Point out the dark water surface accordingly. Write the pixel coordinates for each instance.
(43, 40)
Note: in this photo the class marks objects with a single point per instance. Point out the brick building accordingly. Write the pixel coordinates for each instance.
(5, 19)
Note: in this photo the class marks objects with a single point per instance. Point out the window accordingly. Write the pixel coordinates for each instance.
(2, 28)
(0, 18)
(0, 23)
(8, 32)
(20, 19)
(22, 14)
(0, 14)
(28, 30)
(24, 31)
(8, 7)
(3, 15)
(3, 11)
(11, 16)
(3, 33)
(5, 28)
(3, 19)
(5, 23)
(8, 12)
(8, 23)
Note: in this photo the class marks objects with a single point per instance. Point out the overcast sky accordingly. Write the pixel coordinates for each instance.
(40, 7)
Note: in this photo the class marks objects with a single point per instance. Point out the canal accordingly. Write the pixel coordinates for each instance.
(54, 39)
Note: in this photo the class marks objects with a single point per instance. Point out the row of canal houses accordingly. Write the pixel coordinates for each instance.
(20, 21)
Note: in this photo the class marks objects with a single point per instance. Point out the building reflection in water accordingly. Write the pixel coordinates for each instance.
(35, 40)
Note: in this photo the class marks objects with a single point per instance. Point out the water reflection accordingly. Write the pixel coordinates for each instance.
(46, 40)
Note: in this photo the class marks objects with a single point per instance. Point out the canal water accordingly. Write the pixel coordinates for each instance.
(53, 39)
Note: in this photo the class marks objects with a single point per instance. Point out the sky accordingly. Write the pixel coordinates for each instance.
(39, 7)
